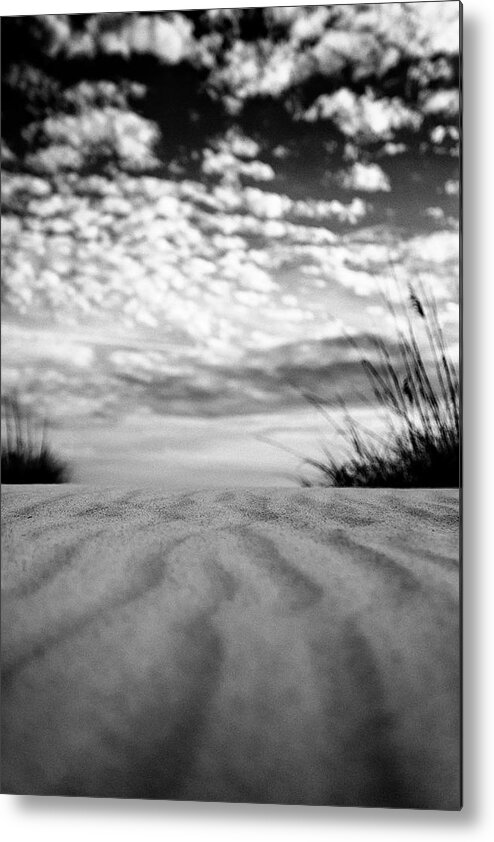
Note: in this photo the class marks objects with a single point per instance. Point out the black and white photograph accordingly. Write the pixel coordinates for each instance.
(231, 419)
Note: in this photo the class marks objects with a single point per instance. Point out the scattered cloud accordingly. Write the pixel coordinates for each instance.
(365, 118)
(444, 102)
(228, 167)
(364, 41)
(76, 140)
(199, 235)
(167, 36)
(367, 178)
(452, 187)
(393, 149)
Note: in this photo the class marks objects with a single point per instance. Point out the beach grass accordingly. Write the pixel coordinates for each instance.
(26, 455)
(416, 388)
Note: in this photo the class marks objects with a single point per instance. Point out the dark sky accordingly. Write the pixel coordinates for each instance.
(198, 208)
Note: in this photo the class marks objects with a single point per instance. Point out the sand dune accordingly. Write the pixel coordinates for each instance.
(287, 645)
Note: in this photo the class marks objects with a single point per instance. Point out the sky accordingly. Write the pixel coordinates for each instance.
(202, 214)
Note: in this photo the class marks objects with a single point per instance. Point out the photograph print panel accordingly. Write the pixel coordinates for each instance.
(230, 405)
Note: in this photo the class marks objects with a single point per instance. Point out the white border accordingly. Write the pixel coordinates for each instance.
(78, 820)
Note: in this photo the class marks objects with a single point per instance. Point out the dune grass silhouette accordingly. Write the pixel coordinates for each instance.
(418, 391)
(26, 454)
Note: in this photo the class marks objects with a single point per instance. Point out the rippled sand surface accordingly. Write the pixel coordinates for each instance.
(286, 646)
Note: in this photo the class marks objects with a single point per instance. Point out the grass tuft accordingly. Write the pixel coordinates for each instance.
(419, 393)
(26, 455)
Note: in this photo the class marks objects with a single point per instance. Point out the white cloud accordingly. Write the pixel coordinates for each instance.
(193, 274)
(445, 102)
(393, 149)
(270, 205)
(338, 48)
(436, 28)
(58, 31)
(364, 117)
(75, 138)
(168, 37)
(323, 210)
(55, 158)
(218, 163)
(280, 151)
(257, 170)
(227, 197)
(152, 257)
(116, 206)
(309, 24)
(368, 178)
(239, 144)
(440, 134)
(434, 213)
(16, 184)
(364, 40)
(47, 207)
(27, 346)
(232, 156)
(227, 166)
(452, 187)
(440, 248)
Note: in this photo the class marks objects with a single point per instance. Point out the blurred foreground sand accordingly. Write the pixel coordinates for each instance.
(270, 645)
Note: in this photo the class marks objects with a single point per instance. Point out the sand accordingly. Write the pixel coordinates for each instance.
(270, 645)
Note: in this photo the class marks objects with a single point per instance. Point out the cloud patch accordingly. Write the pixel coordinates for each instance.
(71, 142)
(209, 227)
(364, 118)
(365, 178)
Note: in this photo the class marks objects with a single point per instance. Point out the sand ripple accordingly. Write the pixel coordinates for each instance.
(287, 645)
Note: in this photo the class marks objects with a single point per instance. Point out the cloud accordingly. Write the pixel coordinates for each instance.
(266, 378)
(30, 347)
(147, 252)
(239, 144)
(436, 29)
(197, 271)
(367, 178)
(56, 158)
(57, 30)
(17, 186)
(372, 38)
(434, 213)
(362, 41)
(365, 118)
(7, 156)
(180, 249)
(310, 24)
(322, 210)
(199, 299)
(393, 149)
(254, 202)
(442, 135)
(452, 187)
(258, 68)
(168, 37)
(269, 205)
(338, 49)
(300, 41)
(76, 140)
(227, 166)
(438, 249)
(443, 102)
(257, 170)
(100, 93)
